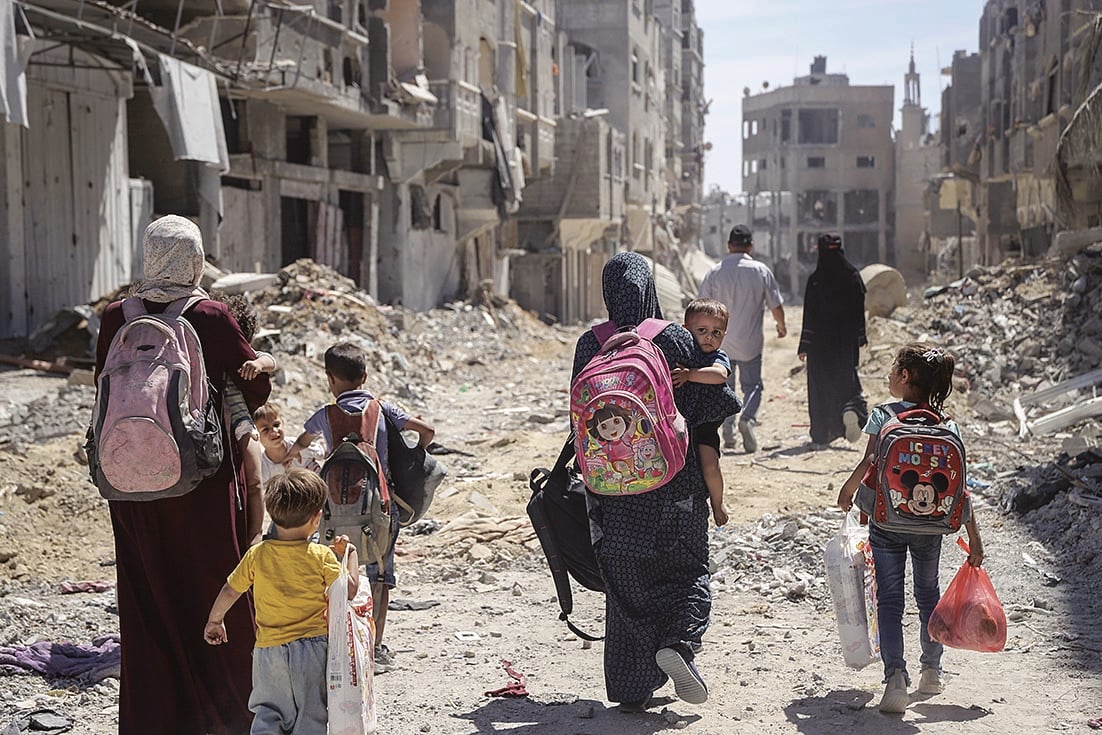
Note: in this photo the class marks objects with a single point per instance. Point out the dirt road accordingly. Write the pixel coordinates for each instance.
(771, 657)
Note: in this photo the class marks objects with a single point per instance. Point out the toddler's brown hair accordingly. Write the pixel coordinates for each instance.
(294, 497)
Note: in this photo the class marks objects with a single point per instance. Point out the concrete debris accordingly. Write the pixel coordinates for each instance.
(885, 289)
(1018, 327)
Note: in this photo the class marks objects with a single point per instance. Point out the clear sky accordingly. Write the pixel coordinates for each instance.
(747, 42)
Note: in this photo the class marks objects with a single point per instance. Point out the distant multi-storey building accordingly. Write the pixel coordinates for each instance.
(829, 144)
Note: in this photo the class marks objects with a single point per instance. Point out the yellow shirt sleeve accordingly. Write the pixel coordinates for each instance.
(330, 565)
(241, 578)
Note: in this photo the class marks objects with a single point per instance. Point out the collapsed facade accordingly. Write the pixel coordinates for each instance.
(422, 147)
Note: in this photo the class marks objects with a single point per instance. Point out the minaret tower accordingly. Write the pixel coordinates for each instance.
(913, 114)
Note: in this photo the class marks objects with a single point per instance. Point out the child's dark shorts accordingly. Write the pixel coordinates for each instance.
(706, 435)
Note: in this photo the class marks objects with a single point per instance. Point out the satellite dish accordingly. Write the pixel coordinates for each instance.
(765, 85)
(745, 91)
(707, 146)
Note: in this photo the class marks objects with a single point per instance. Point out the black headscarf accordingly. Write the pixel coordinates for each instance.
(834, 300)
(630, 295)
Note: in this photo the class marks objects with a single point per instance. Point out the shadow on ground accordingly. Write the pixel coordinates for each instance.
(525, 716)
(854, 712)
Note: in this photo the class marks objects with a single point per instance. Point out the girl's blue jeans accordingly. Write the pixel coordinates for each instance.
(889, 550)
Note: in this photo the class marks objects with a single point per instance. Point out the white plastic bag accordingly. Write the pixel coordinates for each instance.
(852, 581)
(350, 671)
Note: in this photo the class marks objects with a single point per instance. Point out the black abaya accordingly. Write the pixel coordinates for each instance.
(832, 335)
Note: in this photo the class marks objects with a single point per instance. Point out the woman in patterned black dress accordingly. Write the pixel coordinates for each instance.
(652, 548)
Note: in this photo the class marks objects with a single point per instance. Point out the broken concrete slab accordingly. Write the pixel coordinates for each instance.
(1071, 242)
(885, 289)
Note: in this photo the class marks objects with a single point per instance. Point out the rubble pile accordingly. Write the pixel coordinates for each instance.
(312, 306)
(1016, 326)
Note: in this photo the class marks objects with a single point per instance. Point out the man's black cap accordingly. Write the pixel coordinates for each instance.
(741, 235)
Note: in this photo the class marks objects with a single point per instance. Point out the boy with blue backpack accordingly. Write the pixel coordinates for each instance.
(355, 433)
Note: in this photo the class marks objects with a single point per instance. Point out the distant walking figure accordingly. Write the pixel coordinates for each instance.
(833, 334)
(747, 287)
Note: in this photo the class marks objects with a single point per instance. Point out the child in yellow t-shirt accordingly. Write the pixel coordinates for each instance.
(290, 577)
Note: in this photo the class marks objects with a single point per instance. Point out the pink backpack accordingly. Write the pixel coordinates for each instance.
(629, 437)
(155, 429)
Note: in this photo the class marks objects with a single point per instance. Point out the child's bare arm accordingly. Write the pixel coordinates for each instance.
(849, 488)
(975, 543)
(339, 546)
(264, 363)
(711, 375)
(304, 440)
(424, 431)
(215, 631)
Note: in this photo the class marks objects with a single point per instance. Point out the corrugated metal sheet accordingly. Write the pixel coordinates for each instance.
(76, 203)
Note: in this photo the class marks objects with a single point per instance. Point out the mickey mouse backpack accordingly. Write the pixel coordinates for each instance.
(917, 484)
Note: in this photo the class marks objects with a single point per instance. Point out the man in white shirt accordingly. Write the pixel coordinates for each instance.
(747, 287)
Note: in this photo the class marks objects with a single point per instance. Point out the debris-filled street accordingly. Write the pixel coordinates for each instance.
(475, 605)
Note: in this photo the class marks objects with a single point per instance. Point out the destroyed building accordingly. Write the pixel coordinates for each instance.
(421, 147)
(1006, 119)
(829, 144)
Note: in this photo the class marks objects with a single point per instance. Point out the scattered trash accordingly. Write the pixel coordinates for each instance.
(516, 685)
(91, 586)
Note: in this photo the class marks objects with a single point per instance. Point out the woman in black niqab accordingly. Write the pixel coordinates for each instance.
(832, 335)
(652, 548)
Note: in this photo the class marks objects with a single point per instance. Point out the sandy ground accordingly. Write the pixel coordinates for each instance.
(772, 660)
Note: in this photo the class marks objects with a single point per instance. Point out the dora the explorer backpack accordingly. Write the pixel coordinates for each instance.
(629, 436)
(358, 505)
(917, 484)
(155, 430)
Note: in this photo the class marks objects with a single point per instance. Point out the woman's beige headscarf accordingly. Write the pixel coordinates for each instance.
(173, 260)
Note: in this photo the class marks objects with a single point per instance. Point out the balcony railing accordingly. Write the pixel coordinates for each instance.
(458, 110)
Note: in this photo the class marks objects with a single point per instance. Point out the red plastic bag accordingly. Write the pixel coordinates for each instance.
(969, 614)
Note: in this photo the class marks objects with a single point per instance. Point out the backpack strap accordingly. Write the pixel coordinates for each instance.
(651, 328)
(132, 308)
(342, 423)
(648, 329)
(370, 423)
(604, 330)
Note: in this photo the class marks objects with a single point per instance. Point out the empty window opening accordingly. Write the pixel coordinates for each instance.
(818, 208)
(862, 207)
(819, 126)
(816, 162)
(866, 162)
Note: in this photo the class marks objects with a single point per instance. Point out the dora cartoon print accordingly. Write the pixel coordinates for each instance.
(612, 427)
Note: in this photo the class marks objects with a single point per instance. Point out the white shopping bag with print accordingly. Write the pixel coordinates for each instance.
(350, 669)
(852, 581)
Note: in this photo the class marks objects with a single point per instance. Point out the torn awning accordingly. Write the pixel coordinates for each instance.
(187, 102)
